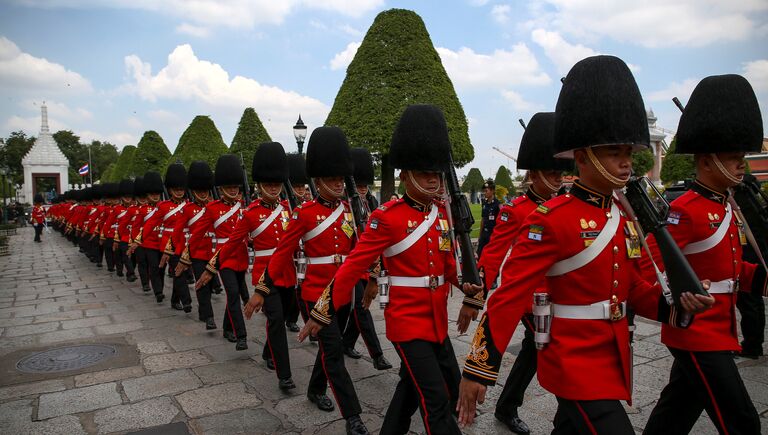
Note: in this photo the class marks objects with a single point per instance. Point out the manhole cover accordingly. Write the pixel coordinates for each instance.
(66, 358)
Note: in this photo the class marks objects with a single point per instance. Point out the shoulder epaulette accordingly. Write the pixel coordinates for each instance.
(554, 203)
(686, 198)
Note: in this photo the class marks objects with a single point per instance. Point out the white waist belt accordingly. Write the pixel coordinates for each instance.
(328, 259)
(722, 287)
(264, 252)
(417, 281)
(597, 311)
(168, 230)
(224, 240)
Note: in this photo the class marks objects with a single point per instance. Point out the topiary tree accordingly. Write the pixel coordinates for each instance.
(504, 178)
(151, 154)
(676, 167)
(642, 161)
(250, 133)
(396, 66)
(108, 175)
(472, 184)
(200, 141)
(124, 165)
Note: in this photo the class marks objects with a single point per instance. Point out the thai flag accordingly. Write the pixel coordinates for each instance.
(84, 170)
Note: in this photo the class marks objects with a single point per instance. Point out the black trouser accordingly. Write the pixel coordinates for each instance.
(482, 240)
(592, 417)
(180, 287)
(130, 269)
(703, 381)
(38, 231)
(276, 347)
(156, 273)
(521, 374)
(204, 307)
(237, 291)
(116, 255)
(290, 304)
(752, 308)
(329, 368)
(302, 305)
(82, 242)
(142, 266)
(359, 321)
(429, 381)
(97, 251)
(109, 255)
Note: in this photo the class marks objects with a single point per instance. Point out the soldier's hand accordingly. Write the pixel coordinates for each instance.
(164, 260)
(470, 289)
(205, 278)
(310, 329)
(114, 246)
(101, 242)
(180, 268)
(471, 393)
(371, 291)
(696, 303)
(91, 238)
(466, 315)
(254, 305)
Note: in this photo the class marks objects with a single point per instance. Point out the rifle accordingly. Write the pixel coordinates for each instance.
(288, 190)
(355, 204)
(652, 218)
(462, 223)
(246, 187)
(312, 188)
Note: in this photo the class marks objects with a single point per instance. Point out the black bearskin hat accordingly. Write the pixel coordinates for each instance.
(97, 192)
(138, 187)
(420, 141)
(270, 164)
(111, 190)
(599, 104)
(362, 161)
(722, 115)
(38, 198)
(297, 169)
(228, 171)
(86, 194)
(176, 176)
(537, 145)
(200, 176)
(126, 187)
(153, 183)
(328, 153)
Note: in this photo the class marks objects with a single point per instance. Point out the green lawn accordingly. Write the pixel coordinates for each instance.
(476, 210)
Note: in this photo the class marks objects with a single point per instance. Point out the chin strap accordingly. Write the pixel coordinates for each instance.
(322, 184)
(616, 181)
(546, 183)
(733, 179)
(267, 196)
(420, 189)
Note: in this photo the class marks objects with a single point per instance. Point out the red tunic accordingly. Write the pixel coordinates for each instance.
(169, 213)
(123, 218)
(184, 245)
(585, 359)
(336, 240)
(38, 215)
(110, 224)
(214, 211)
(137, 223)
(693, 217)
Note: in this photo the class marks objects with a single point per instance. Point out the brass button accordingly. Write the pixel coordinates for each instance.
(731, 235)
(615, 249)
(608, 214)
(733, 249)
(615, 266)
(615, 283)
(429, 239)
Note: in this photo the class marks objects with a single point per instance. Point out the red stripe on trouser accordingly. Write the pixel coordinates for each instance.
(711, 396)
(226, 309)
(360, 331)
(586, 418)
(271, 354)
(418, 390)
(325, 371)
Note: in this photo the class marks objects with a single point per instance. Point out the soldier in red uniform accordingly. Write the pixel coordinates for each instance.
(147, 195)
(721, 123)
(358, 319)
(96, 218)
(169, 212)
(107, 229)
(592, 274)
(217, 222)
(38, 216)
(126, 210)
(326, 228)
(411, 235)
(297, 177)
(545, 173)
(196, 254)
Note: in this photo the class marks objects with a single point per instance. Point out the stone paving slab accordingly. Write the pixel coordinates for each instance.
(153, 412)
(163, 384)
(216, 399)
(78, 400)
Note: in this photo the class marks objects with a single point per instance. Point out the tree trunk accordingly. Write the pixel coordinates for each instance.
(387, 179)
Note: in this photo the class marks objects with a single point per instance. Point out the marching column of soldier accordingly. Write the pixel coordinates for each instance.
(567, 264)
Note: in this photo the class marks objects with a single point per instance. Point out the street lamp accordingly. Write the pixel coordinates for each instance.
(300, 133)
(3, 172)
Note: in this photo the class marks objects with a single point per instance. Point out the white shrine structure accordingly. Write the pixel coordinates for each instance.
(46, 168)
(658, 146)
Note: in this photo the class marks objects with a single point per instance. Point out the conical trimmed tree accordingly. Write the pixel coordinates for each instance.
(200, 141)
(504, 178)
(124, 165)
(151, 154)
(250, 133)
(472, 184)
(396, 66)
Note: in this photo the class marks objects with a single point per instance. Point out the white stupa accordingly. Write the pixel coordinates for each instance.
(44, 163)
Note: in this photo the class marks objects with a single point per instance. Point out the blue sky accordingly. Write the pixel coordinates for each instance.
(111, 69)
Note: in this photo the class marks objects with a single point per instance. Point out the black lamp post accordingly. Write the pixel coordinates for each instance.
(300, 133)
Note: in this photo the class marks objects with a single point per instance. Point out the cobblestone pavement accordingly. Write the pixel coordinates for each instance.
(170, 370)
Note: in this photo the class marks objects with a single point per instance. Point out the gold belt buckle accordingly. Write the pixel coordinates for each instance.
(616, 311)
(337, 259)
(432, 282)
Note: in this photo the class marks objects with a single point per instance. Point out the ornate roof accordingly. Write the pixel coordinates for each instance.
(45, 151)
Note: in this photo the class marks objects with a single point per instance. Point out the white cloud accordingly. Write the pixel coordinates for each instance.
(562, 53)
(31, 124)
(654, 23)
(58, 110)
(188, 78)
(681, 90)
(19, 70)
(500, 13)
(478, 2)
(349, 30)
(756, 72)
(518, 102)
(344, 58)
(134, 123)
(192, 30)
(502, 68)
(119, 139)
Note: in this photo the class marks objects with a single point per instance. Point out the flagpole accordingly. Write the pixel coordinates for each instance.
(90, 167)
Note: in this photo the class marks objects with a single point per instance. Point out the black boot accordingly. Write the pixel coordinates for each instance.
(242, 344)
(381, 363)
(230, 336)
(270, 363)
(176, 306)
(352, 353)
(292, 326)
(355, 426)
(322, 401)
(210, 324)
(513, 422)
(286, 384)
